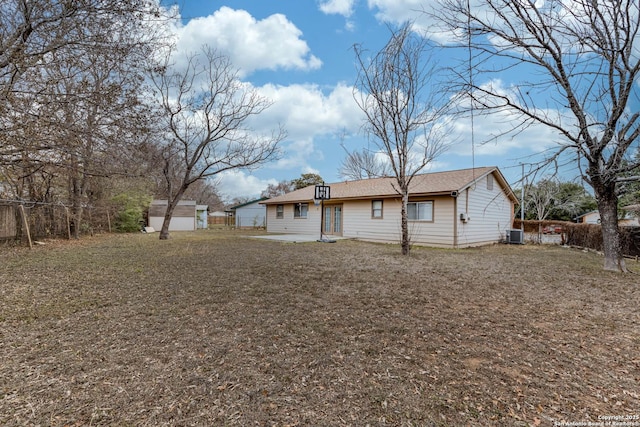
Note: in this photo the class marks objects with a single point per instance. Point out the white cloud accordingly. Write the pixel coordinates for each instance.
(238, 183)
(398, 10)
(494, 134)
(338, 7)
(307, 113)
(270, 43)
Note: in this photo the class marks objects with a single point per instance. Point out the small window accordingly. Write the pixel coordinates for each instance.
(300, 210)
(376, 209)
(489, 182)
(420, 211)
(279, 211)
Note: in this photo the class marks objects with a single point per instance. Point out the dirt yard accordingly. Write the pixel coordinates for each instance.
(217, 329)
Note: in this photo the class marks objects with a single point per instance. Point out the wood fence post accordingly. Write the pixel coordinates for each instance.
(26, 225)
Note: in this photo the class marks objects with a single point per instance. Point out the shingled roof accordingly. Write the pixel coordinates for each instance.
(424, 184)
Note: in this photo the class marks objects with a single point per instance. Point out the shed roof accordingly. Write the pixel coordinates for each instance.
(425, 184)
(232, 208)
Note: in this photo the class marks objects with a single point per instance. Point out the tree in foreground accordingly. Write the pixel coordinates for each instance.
(207, 110)
(395, 90)
(585, 61)
(72, 112)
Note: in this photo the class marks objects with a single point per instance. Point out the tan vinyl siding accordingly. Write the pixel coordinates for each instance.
(358, 223)
(438, 233)
(289, 224)
(490, 214)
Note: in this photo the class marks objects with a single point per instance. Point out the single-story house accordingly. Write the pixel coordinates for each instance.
(592, 217)
(250, 214)
(187, 216)
(462, 208)
(629, 218)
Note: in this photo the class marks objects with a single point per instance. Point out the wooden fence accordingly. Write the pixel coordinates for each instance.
(583, 235)
(8, 226)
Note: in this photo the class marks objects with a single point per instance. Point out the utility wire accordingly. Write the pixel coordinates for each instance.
(470, 63)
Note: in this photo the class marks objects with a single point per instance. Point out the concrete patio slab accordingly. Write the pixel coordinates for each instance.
(296, 238)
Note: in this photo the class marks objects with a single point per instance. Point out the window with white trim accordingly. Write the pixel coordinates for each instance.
(279, 211)
(420, 211)
(376, 209)
(300, 210)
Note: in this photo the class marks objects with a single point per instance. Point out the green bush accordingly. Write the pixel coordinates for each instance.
(130, 215)
(129, 220)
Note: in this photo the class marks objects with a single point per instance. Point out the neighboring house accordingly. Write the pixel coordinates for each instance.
(185, 215)
(630, 218)
(462, 208)
(592, 217)
(250, 215)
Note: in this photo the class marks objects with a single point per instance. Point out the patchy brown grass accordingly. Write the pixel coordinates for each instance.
(213, 328)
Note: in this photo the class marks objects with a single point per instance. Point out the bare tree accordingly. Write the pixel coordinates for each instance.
(581, 62)
(71, 77)
(541, 197)
(274, 190)
(395, 91)
(363, 164)
(205, 191)
(552, 199)
(35, 30)
(306, 179)
(207, 112)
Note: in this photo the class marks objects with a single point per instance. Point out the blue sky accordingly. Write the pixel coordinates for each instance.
(299, 54)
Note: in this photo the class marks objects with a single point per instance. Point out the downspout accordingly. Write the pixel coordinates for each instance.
(454, 194)
(266, 217)
(466, 198)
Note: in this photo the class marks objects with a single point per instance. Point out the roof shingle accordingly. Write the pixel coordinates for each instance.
(424, 184)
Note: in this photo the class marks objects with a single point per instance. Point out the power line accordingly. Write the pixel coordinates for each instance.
(469, 62)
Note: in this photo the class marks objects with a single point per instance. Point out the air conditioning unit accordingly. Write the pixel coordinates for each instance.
(515, 237)
(464, 217)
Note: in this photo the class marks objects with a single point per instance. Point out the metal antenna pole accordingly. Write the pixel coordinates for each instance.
(522, 204)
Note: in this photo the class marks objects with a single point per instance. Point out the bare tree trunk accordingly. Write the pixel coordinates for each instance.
(171, 206)
(406, 243)
(75, 195)
(164, 231)
(611, 244)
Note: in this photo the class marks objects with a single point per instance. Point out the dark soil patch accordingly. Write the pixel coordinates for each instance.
(213, 328)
